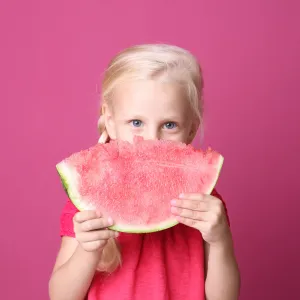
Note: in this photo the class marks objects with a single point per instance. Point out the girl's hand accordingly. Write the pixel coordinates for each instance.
(91, 230)
(205, 213)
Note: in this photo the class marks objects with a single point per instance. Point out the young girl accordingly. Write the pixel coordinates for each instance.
(154, 91)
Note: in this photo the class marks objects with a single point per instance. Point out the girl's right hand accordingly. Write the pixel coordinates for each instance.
(91, 230)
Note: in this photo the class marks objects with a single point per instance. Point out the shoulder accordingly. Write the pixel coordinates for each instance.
(66, 219)
(69, 208)
(216, 194)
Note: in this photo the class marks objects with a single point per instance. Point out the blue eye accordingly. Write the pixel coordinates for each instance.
(170, 125)
(136, 123)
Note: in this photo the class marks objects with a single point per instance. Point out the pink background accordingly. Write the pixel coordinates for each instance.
(52, 57)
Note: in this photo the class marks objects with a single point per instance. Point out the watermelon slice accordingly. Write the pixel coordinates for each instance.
(134, 183)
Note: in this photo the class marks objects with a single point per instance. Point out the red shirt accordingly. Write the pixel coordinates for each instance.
(165, 265)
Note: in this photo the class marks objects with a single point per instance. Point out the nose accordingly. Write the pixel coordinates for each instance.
(152, 134)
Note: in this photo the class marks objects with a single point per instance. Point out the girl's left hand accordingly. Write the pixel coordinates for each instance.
(205, 213)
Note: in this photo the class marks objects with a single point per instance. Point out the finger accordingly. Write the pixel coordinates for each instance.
(200, 225)
(191, 204)
(92, 236)
(95, 224)
(86, 215)
(191, 214)
(193, 196)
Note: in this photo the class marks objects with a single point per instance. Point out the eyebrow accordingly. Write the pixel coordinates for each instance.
(135, 117)
(172, 118)
(165, 119)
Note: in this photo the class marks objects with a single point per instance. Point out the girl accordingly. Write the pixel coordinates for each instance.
(154, 91)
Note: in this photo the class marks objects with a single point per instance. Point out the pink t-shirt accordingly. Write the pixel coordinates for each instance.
(165, 265)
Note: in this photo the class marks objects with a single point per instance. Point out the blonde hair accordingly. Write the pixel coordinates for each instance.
(166, 63)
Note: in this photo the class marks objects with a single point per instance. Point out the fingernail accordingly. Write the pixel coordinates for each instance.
(116, 234)
(110, 221)
(98, 213)
(181, 195)
(173, 202)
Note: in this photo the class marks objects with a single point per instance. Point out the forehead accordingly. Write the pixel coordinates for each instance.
(150, 97)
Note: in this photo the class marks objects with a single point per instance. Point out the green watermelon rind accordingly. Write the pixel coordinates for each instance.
(65, 172)
(145, 229)
(69, 175)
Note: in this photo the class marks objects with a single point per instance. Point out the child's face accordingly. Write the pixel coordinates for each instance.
(150, 109)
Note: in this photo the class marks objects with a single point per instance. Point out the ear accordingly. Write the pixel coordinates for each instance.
(109, 121)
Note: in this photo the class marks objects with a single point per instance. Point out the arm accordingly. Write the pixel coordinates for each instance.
(73, 271)
(78, 257)
(207, 213)
(222, 273)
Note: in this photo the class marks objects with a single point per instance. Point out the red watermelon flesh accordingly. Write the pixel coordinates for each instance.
(134, 183)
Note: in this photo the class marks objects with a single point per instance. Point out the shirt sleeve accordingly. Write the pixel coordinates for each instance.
(66, 219)
(217, 195)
